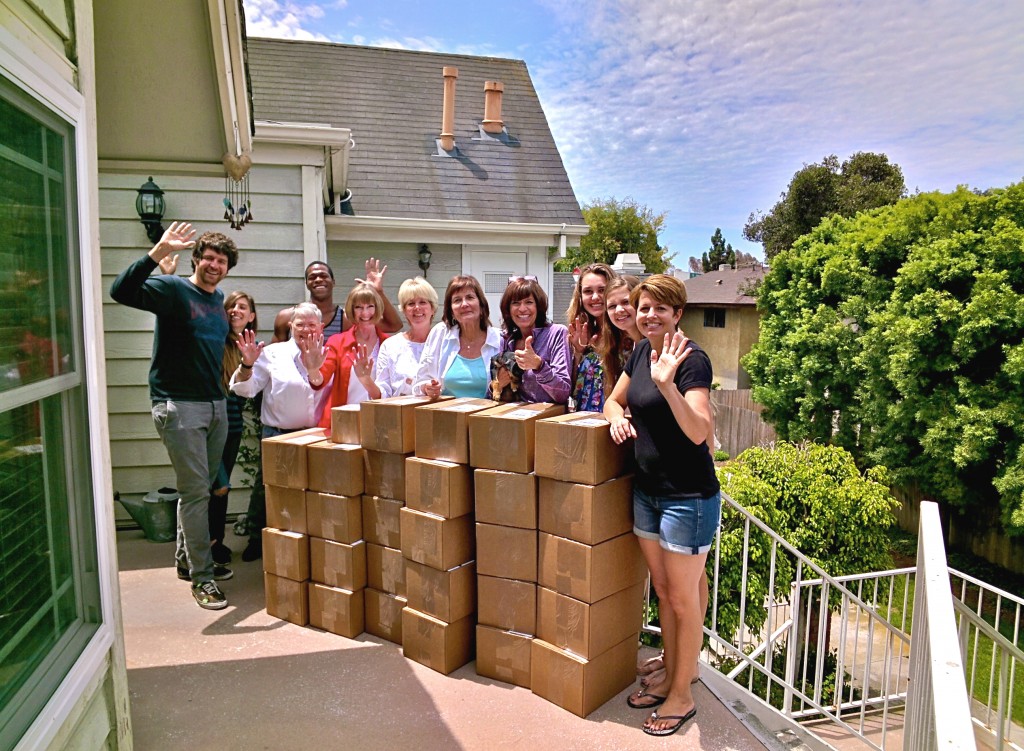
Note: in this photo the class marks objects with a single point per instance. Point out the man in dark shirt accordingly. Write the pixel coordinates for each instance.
(185, 384)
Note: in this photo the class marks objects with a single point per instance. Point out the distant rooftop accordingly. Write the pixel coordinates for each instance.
(392, 102)
(723, 287)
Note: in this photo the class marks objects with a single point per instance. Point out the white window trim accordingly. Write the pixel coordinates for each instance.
(20, 65)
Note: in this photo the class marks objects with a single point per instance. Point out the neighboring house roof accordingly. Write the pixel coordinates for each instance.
(724, 287)
(392, 102)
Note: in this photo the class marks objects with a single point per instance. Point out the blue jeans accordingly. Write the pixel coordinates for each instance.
(193, 434)
(681, 525)
(256, 516)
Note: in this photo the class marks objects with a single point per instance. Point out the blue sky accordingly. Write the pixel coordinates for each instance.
(704, 109)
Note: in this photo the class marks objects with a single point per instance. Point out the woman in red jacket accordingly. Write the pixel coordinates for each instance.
(354, 351)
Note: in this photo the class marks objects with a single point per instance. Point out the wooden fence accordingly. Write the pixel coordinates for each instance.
(738, 423)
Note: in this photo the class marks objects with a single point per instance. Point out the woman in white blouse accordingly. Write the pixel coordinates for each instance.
(288, 374)
(399, 358)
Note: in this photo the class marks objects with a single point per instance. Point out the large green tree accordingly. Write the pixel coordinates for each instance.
(864, 181)
(899, 334)
(618, 227)
(720, 252)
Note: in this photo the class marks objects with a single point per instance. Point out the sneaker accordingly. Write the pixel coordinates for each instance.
(209, 596)
(220, 573)
(221, 553)
(253, 551)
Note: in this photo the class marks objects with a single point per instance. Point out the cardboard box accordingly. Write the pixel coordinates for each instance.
(345, 422)
(385, 474)
(337, 610)
(578, 447)
(334, 517)
(284, 457)
(502, 437)
(589, 572)
(506, 552)
(337, 564)
(286, 508)
(383, 614)
(286, 554)
(435, 541)
(335, 468)
(382, 521)
(506, 604)
(440, 646)
(438, 487)
(506, 498)
(503, 655)
(442, 428)
(286, 599)
(385, 569)
(447, 595)
(586, 513)
(580, 685)
(589, 629)
(390, 424)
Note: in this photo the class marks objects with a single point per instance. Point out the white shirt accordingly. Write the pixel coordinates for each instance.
(440, 350)
(289, 402)
(397, 365)
(357, 393)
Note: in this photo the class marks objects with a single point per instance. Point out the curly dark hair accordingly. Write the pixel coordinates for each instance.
(218, 242)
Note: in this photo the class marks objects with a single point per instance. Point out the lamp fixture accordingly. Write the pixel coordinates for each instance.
(150, 206)
(424, 254)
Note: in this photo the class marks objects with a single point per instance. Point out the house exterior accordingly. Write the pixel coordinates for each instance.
(722, 318)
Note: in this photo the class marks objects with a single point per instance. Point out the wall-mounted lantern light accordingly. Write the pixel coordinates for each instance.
(424, 254)
(150, 206)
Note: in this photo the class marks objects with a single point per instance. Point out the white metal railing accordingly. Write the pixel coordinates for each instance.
(836, 650)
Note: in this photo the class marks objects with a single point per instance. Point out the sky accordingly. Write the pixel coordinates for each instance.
(704, 109)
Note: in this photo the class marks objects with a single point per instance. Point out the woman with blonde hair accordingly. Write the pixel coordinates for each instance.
(586, 316)
(666, 386)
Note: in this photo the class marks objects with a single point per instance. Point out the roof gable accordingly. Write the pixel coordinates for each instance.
(392, 101)
(727, 287)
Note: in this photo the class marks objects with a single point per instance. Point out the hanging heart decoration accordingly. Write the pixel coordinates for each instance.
(236, 166)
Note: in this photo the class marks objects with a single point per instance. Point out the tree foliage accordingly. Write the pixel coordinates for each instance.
(899, 335)
(864, 181)
(720, 252)
(816, 499)
(618, 227)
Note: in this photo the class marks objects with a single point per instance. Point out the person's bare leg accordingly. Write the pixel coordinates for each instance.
(653, 554)
(684, 575)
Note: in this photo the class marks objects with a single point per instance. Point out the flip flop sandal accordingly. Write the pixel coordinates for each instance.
(642, 694)
(680, 721)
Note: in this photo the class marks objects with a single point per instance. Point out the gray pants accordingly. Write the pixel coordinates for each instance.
(193, 434)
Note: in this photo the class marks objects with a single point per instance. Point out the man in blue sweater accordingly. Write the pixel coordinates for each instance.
(184, 384)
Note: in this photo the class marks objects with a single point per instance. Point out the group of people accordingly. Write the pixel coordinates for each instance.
(621, 353)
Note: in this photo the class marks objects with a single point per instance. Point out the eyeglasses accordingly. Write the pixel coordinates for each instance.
(530, 278)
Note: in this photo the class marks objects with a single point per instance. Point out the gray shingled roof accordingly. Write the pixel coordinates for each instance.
(723, 287)
(391, 100)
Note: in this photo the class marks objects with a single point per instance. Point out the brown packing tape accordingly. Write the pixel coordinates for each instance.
(571, 562)
(570, 619)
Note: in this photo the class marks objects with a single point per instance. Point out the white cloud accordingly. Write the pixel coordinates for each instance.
(283, 20)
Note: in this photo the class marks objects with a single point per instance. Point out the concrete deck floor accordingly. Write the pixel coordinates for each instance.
(239, 679)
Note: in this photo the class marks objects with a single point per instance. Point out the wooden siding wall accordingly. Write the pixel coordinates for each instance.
(738, 422)
(269, 268)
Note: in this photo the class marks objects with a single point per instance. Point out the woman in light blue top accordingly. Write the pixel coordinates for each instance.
(456, 357)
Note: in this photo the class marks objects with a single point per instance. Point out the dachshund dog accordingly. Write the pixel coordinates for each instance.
(506, 375)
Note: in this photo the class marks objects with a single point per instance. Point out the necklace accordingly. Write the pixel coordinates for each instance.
(472, 345)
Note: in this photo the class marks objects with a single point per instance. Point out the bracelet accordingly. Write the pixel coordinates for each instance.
(244, 366)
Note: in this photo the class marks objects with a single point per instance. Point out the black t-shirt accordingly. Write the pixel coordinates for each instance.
(669, 464)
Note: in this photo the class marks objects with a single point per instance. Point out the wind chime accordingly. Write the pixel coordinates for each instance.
(237, 205)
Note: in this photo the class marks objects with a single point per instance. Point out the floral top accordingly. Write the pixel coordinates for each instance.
(588, 391)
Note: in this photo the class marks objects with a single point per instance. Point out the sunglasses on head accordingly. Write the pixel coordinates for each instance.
(530, 278)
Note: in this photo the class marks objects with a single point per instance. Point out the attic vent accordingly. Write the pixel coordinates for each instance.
(495, 282)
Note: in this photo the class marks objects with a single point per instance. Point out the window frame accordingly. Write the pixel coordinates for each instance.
(718, 314)
(39, 82)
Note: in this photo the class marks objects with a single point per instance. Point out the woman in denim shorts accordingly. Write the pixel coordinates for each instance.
(676, 503)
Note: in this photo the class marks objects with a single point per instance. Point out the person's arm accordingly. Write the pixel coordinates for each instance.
(281, 321)
(391, 321)
(428, 377)
(692, 408)
(363, 368)
(313, 357)
(134, 288)
(253, 372)
(332, 357)
(553, 373)
(615, 411)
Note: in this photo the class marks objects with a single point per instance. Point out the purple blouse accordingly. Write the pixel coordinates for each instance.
(550, 382)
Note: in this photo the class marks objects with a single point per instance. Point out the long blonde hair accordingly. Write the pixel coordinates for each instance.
(576, 306)
(232, 357)
(613, 341)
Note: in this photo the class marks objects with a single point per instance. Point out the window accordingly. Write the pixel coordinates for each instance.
(49, 585)
(714, 318)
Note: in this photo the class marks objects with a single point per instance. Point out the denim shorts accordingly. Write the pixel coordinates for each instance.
(682, 525)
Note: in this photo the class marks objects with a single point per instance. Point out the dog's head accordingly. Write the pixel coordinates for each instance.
(506, 376)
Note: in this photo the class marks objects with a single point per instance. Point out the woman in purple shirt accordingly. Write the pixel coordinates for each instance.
(541, 348)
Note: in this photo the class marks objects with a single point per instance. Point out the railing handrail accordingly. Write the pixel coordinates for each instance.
(988, 587)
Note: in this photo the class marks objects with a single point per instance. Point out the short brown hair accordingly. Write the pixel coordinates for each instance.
(217, 242)
(360, 295)
(457, 284)
(517, 290)
(664, 289)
